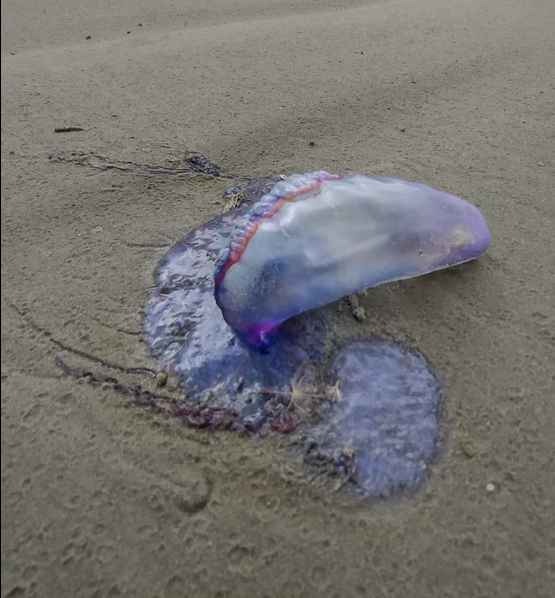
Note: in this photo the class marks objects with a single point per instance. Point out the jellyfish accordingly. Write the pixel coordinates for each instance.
(237, 315)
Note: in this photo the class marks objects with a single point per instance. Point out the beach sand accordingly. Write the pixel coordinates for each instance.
(102, 500)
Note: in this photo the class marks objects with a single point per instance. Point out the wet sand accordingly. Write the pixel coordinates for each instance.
(103, 500)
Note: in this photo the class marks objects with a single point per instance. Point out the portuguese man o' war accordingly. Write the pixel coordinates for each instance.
(318, 237)
(237, 315)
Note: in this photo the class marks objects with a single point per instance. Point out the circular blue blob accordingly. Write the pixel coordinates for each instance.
(384, 429)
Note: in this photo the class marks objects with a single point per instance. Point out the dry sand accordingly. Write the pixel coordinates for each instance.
(106, 501)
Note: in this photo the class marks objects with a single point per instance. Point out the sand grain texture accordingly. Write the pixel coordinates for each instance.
(99, 500)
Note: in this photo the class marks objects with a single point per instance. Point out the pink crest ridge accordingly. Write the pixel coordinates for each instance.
(283, 193)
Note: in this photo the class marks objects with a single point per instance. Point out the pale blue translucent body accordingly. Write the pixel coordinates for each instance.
(345, 236)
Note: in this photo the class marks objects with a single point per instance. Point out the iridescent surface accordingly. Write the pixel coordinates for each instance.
(316, 238)
(384, 430)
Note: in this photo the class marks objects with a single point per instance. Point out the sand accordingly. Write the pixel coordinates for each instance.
(103, 500)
